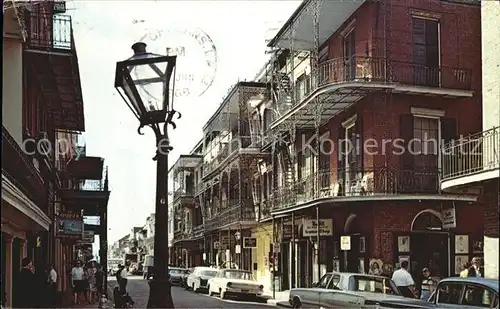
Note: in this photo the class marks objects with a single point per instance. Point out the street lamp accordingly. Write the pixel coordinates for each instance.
(237, 236)
(143, 82)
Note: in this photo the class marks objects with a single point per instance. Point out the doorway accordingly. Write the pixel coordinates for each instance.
(350, 55)
(429, 245)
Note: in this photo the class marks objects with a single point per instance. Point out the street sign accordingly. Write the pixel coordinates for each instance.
(249, 242)
(345, 243)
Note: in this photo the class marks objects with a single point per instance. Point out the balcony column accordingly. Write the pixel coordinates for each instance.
(9, 240)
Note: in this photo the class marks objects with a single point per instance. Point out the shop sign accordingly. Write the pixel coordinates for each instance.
(87, 237)
(449, 219)
(345, 243)
(249, 242)
(216, 245)
(69, 225)
(310, 228)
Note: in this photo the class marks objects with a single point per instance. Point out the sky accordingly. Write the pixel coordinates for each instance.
(104, 32)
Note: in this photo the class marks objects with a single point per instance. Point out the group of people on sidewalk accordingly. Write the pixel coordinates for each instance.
(87, 280)
(406, 284)
(34, 287)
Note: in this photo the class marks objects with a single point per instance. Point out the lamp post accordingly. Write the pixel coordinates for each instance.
(143, 82)
(237, 236)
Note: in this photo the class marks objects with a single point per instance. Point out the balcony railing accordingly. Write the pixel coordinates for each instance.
(49, 32)
(372, 69)
(356, 182)
(228, 148)
(476, 153)
(18, 167)
(243, 211)
(181, 192)
(198, 231)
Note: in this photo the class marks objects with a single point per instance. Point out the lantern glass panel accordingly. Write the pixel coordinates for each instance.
(150, 81)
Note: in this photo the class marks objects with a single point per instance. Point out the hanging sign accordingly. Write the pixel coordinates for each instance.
(249, 242)
(449, 218)
(310, 228)
(69, 225)
(345, 243)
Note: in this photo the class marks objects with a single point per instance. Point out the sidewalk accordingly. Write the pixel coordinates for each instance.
(67, 301)
(279, 296)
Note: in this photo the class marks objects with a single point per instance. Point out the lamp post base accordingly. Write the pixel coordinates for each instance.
(160, 294)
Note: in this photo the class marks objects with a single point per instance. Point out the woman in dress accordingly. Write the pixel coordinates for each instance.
(91, 278)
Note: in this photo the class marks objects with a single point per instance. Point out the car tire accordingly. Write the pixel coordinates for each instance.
(209, 291)
(296, 303)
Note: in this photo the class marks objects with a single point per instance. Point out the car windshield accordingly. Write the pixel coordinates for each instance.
(175, 271)
(374, 285)
(236, 274)
(208, 273)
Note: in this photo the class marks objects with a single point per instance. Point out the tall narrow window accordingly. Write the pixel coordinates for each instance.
(350, 55)
(425, 33)
(426, 135)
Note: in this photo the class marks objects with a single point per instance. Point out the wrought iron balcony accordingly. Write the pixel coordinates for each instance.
(356, 183)
(373, 69)
(183, 192)
(19, 169)
(198, 231)
(474, 154)
(243, 211)
(49, 32)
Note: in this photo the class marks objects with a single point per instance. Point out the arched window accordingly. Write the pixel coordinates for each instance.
(427, 220)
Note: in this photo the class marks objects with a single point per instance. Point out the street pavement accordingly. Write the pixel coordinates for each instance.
(138, 289)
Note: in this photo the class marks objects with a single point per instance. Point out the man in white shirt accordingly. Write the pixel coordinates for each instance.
(123, 280)
(52, 280)
(475, 270)
(403, 280)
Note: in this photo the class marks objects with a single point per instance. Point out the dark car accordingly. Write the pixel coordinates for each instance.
(176, 274)
(454, 292)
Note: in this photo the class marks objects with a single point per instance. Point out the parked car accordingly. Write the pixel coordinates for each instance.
(454, 292)
(175, 275)
(184, 277)
(234, 282)
(345, 290)
(198, 279)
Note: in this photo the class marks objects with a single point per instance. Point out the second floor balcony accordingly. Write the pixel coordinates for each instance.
(19, 169)
(471, 159)
(341, 82)
(241, 213)
(356, 184)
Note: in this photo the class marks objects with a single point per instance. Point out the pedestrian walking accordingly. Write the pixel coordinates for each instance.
(99, 277)
(475, 270)
(427, 284)
(52, 286)
(123, 280)
(404, 281)
(78, 282)
(25, 286)
(91, 278)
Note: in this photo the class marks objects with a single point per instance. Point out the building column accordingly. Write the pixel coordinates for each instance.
(8, 239)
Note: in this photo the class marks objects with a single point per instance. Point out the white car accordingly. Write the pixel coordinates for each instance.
(198, 279)
(234, 282)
